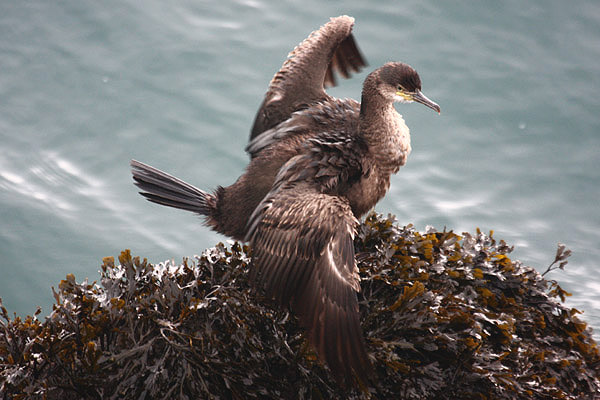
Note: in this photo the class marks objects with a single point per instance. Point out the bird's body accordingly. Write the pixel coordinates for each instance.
(317, 165)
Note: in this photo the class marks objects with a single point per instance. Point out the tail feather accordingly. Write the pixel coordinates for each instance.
(162, 188)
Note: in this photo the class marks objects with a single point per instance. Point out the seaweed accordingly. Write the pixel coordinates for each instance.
(445, 316)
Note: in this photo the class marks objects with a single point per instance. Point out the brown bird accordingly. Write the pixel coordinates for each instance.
(317, 165)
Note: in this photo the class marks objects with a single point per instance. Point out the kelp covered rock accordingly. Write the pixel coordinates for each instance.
(444, 316)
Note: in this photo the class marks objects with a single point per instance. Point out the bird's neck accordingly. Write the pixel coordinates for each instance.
(385, 133)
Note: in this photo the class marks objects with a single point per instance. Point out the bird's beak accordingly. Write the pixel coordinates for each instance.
(419, 97)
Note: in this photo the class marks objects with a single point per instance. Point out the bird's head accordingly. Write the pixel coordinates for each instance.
(399, 82)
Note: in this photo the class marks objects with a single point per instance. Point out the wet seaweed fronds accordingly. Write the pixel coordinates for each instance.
(445, 316)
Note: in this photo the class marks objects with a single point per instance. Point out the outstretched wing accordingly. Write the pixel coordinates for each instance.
(309, 68)
(303, 254)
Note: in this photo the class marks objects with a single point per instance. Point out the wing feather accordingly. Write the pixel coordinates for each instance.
(303, 251)
(309, 68)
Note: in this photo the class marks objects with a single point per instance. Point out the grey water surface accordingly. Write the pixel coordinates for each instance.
(86, 86)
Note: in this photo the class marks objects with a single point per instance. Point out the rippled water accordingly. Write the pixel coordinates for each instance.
(86, 86)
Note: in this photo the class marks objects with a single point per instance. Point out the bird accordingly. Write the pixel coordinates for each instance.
(317, 164)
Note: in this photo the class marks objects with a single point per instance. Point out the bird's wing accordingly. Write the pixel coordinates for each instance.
(309, 68)
(303, 254)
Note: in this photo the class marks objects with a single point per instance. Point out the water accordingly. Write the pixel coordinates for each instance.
(86, 86)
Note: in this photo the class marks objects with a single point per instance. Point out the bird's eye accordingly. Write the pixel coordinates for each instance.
(400, 88)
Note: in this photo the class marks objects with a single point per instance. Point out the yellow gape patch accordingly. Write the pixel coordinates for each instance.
(404, 95)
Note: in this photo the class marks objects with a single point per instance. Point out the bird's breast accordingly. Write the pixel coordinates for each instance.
(390, 149)
(367, 191)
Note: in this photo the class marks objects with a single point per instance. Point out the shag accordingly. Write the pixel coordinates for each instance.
(317, 165)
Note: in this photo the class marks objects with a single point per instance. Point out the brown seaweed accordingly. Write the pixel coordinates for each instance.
(445, 316)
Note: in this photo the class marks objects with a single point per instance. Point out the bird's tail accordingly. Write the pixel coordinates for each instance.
(161, 188)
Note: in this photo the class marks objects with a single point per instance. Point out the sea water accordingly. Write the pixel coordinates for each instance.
(87, 86)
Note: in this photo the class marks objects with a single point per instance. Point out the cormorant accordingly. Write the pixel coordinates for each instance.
(317, 165)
